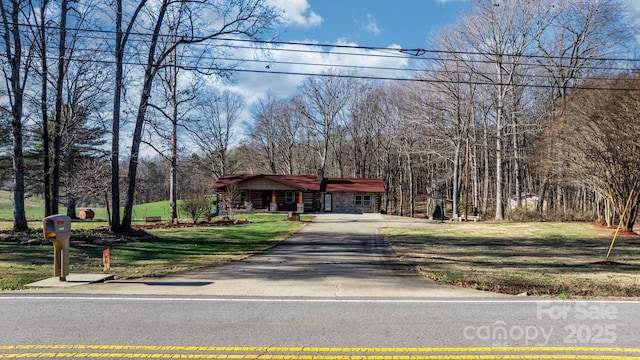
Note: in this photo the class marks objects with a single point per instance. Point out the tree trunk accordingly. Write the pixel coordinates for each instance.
(71, 207)
(106, 204)
(114, 218)
(400, 195)
(173, 184)
(121, 41)
(45, 111)
(499, 131)
(149, 75)
(171, 81)
(12, 36)
(485, 189)
(516, 165)
(57, 133)
(632, 213)
(412, 200)
(456, 176)
(542, 195)
(19, 217)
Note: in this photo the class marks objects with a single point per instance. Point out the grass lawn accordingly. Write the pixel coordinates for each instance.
(173, 250)
(34, 210)
(32, 206)
(545, 259)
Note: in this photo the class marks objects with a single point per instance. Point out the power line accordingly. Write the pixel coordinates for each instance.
(220, 69)
(399, 52)
(393, 53)
(269, 65)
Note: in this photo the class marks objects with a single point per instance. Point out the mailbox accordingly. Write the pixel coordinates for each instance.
(57, 229)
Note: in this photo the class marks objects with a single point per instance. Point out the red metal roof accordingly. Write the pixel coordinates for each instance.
(354, 185)
(303, 182)
(309, 182)
(230, 179)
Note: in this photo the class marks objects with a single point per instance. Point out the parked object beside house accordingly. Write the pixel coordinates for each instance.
(528, 202)
(301, 193)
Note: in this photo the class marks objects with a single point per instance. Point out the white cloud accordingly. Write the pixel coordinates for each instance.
(287, 65)
(634, 9)
(369, 25)
(282, 75)
(298, 13)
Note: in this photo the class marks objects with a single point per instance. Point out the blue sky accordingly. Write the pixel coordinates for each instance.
(406, 24)
(373, 22)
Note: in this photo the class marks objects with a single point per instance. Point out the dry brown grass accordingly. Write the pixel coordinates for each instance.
(546, 259)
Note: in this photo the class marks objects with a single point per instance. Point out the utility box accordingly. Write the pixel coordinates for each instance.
(57, 229)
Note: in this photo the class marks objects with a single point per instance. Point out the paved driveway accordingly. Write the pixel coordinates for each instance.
(337, 255)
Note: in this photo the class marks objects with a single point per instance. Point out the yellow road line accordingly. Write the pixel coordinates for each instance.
(310, 357)
(310, 353)
(319, 349)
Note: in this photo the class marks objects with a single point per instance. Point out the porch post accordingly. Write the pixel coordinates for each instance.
(248, 204)
(274, 202)
(300, 208)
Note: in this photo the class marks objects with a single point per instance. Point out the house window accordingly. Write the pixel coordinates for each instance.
(290, 197)
(363, 200)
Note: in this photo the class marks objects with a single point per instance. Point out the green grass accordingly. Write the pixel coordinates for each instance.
(34, 210)
(33, 206)
(174, 250)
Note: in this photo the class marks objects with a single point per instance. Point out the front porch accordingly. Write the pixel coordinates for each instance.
(300, 193)
(279, 200)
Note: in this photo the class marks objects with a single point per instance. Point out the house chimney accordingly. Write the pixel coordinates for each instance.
(320, 173)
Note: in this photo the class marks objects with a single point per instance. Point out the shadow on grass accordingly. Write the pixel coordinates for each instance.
(556, 265)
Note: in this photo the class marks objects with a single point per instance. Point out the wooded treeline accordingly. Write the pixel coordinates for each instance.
(517, 100)
(481, 123)
(71, 66)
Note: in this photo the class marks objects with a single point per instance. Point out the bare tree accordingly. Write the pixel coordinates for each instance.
(323, 102)
(231, 198)
(177, 91)
(89, 182)
(366, 115)
(453, 107)
(275, 131)
(214, 129)
(121, 43)
(15, 71)
(584, 34)
(597, 142)
(41, 37)
(242, 18)
(287, 137)
(502, 34)
(263, 132)
(57, 129)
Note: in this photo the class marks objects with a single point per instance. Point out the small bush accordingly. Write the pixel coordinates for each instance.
(195, 207)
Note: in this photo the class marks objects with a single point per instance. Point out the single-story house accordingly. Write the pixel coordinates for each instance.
(301, 193)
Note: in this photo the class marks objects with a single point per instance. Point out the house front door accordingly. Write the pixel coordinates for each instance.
(266, 199)
(327, 203)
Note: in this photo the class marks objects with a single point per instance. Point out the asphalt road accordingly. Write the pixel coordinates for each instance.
(98, 326)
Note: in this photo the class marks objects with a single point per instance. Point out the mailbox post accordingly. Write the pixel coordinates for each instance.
(57, 229)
